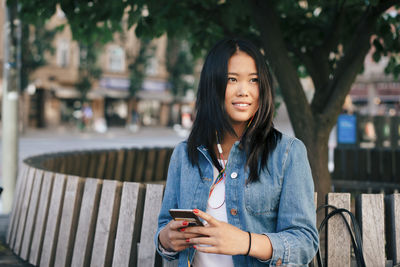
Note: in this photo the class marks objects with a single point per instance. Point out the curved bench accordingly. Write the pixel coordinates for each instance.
(134, 164)
(89, 208)
(61, 219)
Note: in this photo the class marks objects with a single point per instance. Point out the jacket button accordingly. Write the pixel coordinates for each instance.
(279, 262)
(234, 212)
(233, 175)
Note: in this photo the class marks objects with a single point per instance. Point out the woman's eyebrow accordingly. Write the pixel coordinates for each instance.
(250, 74)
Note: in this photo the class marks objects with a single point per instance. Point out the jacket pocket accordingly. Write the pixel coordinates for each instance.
(262, 197)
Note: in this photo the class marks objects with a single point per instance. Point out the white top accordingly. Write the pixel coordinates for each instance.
(216, 199)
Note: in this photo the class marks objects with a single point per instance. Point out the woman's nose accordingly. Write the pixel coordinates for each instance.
(241, 90)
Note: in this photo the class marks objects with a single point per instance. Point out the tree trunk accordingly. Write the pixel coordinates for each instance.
(318, 157)
(312, 123)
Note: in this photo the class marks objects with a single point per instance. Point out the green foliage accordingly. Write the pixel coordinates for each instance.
(89, 71)
(34, 43)
(180, 65)
(387, 42)
(306, 24)
(138, 67)
(90, 21)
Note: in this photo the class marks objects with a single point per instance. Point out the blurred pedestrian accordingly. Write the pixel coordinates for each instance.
(87, 115)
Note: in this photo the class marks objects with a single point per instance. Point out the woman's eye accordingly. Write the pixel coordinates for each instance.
(254, 80)
(231, 79)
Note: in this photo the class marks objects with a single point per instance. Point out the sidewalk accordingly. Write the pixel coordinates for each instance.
(7, 258)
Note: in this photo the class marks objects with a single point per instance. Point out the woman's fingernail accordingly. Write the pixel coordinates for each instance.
(196, 211)
(194, 247)
(187, 240)
(182, 229)
(185, 223)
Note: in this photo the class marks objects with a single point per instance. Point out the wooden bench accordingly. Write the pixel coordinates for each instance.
(66, 220)
(128, 164)
(366, 170)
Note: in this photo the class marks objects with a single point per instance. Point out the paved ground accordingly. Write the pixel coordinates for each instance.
(7, 258)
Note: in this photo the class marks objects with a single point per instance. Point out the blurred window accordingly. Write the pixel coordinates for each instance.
(116, 59)
(152, 67)
(63, 53)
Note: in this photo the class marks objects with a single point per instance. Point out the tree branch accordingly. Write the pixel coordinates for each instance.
(384, 5)
(285, 72)
(313, 63)
(349, 66)
(333, 34)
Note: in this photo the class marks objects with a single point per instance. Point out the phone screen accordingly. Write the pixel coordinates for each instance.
(186, 215)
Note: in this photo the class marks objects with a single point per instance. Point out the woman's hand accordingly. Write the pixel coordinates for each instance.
(174, 236)
(220, 237)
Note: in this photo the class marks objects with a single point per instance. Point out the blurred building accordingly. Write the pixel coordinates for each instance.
(374, 92)
(53, 99)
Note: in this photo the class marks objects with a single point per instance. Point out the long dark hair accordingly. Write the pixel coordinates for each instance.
(260, 138)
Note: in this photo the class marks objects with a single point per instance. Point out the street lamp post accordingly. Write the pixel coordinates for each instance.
(11, 89)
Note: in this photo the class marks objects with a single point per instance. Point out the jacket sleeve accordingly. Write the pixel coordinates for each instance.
(170, 199)
(295, 241)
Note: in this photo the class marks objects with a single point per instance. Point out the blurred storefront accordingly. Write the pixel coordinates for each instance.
(375, 93)
(53, 98)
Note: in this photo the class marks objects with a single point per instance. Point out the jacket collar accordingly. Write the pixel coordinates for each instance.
(234, 155)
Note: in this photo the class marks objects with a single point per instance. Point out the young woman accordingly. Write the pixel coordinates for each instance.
(249, 183)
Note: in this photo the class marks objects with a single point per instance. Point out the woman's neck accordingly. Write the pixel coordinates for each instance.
(228, 140)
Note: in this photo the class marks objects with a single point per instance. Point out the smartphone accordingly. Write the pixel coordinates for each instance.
(186, 215)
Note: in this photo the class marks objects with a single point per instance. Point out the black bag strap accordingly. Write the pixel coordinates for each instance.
(354, 232)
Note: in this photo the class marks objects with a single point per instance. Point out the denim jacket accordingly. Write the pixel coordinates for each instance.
(280, 205)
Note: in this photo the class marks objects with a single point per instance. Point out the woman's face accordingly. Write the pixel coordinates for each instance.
(242, 90)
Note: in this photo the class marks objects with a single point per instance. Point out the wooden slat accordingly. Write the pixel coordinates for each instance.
(19, 192)
(41, 218)
(129, 163)
(101, 164)
(106, 224)
(338, 239)
(152, 207)
(394, 222)
(371, 212)
(130, 218)
(314, 263)
(84, 157)
(77, 162)
(32, 212)
(48, 163)
(63, 165)
(160, 165)
(53, 222)
(110, 165)
(93, 161)
(69, 221)
(87, 222)
(150, 165)
(139, 165)
(70, 162)
(57, 164)
(119, 165)
(24, 211)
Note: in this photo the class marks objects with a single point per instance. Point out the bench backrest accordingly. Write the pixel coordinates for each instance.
(128, 165)
(65, 220)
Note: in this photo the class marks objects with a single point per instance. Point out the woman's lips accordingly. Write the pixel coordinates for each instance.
(241, 105)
